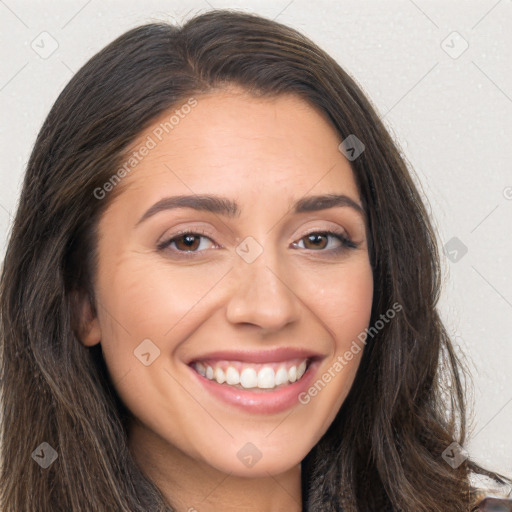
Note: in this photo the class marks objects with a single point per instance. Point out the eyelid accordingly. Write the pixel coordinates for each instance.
(333, 228)
(185, 231)
(337, 230)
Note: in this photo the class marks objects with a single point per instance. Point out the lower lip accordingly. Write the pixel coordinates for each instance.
(262, 402)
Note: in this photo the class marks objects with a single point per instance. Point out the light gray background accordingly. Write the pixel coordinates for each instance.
(451, 115)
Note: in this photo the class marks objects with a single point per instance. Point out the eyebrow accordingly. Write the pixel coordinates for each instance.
(229, 208)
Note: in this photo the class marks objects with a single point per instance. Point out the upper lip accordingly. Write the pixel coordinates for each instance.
(258, 356)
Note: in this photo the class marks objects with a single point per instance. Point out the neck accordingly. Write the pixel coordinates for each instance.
(191, 485)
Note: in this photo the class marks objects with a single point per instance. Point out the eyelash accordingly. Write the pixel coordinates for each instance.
(346, 243)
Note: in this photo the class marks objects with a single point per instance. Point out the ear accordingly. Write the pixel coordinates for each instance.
(88, 331)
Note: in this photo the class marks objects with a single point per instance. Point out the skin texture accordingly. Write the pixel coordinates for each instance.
(265, 154)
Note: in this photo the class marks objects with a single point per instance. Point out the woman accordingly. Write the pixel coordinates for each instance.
(220, 292)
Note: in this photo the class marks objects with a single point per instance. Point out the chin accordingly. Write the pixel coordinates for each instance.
(256, 459)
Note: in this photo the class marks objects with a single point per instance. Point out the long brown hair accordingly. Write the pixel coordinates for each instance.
(383, 450)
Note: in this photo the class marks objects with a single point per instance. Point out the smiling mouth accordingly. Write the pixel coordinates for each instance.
(255, 376)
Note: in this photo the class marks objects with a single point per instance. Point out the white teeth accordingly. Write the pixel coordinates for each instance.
(266, 378)
(249, 378)
(281, 376)
(219, 375)
(201, 369)
(260, 376)
(232, 376)
(301, 370)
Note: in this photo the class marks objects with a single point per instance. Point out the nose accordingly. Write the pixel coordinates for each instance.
(262, 295)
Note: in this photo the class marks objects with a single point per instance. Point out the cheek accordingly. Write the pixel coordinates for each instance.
(342, 301)
(343, 305)
(150, 300)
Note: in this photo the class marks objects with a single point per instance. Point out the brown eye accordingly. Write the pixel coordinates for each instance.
(325, 241)
(188, 242)
(317, 241)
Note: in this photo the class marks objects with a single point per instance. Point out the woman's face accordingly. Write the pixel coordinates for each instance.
(206, 336)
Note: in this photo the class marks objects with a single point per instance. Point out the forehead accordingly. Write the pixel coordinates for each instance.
(231, 140)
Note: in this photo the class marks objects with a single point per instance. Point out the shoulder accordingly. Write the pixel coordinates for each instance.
(492, 495)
